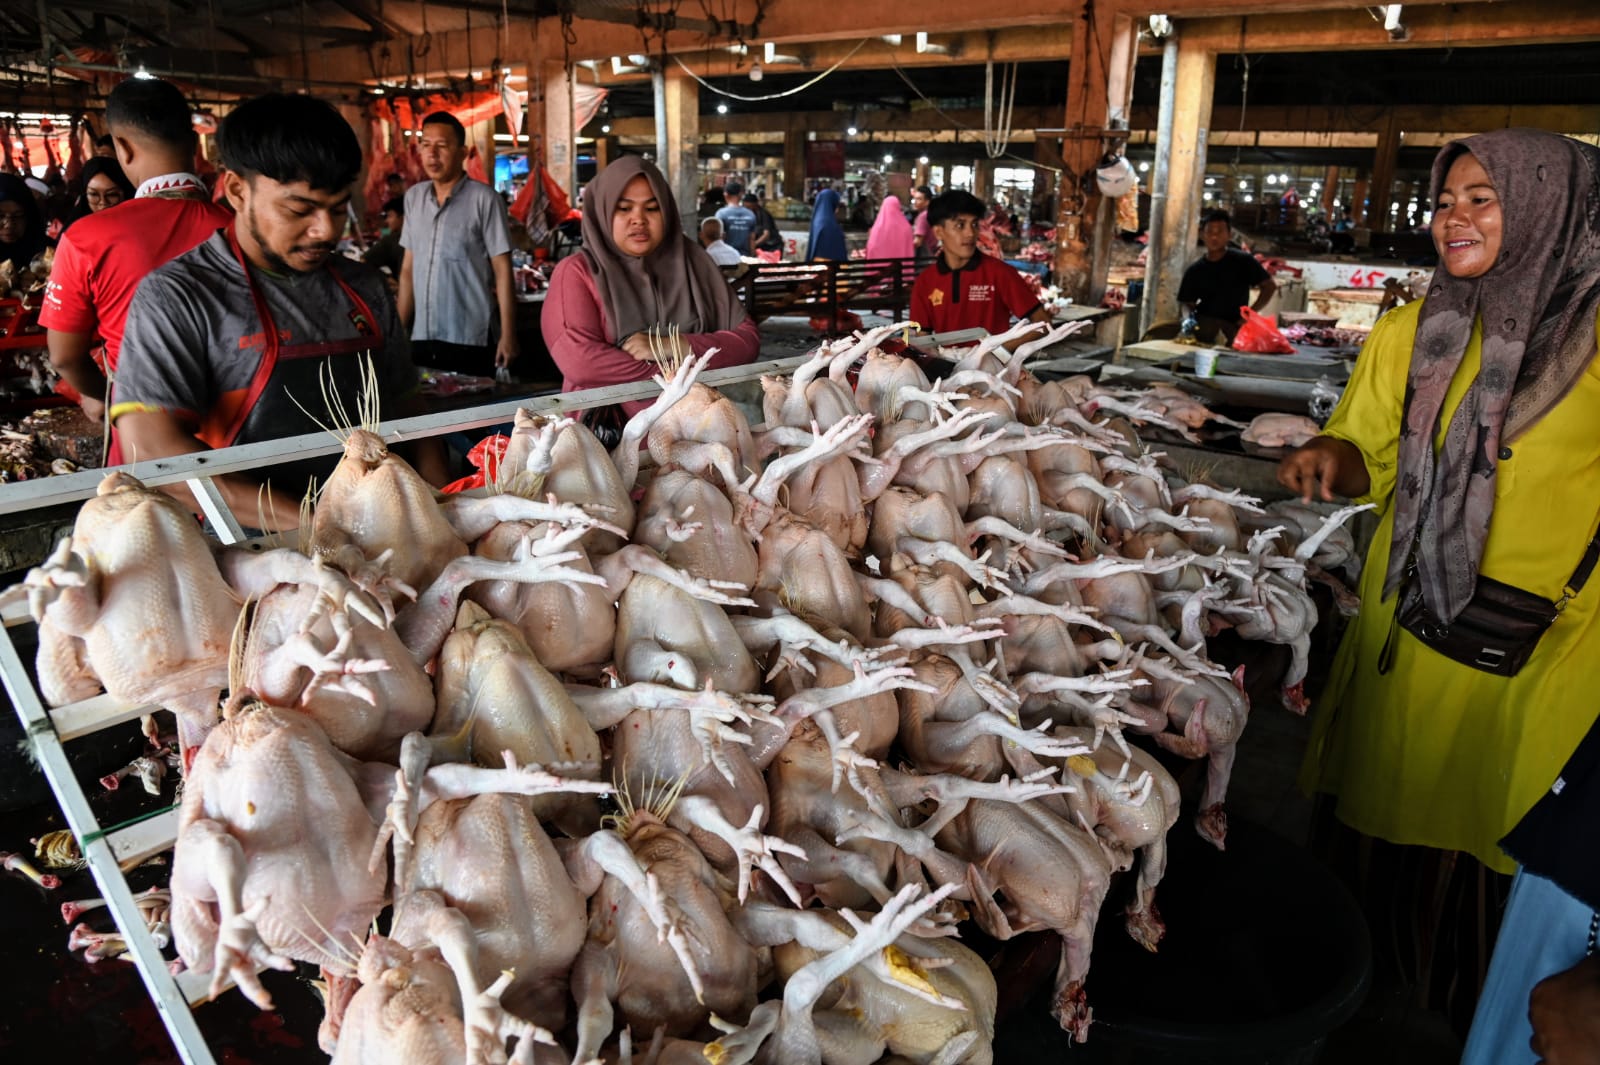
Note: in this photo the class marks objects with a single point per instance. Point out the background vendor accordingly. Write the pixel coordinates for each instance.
(964, 287)
(229, 343)
(638, 276)
(1216, 285)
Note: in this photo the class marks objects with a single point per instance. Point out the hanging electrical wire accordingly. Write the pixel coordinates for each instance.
(957, 123)
(774, 95)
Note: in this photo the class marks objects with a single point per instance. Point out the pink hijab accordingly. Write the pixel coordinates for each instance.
(891, 236)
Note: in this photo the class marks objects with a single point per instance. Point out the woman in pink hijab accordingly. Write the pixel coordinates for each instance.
(891, 236)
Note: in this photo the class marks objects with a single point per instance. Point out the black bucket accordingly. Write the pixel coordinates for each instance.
(1266, 953)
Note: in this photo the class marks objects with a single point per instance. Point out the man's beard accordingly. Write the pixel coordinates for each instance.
(275, 262)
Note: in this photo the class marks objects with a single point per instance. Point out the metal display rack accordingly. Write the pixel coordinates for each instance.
(47, 730)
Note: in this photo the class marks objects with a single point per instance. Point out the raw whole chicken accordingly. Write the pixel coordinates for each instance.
(1280, 430)
(926, 630)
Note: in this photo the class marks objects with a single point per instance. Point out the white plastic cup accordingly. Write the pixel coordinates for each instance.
(1205, 362)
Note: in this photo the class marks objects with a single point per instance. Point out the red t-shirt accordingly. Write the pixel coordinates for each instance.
(986, 293)
(102, 258)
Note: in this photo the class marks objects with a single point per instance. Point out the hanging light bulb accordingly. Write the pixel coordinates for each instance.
(923, 160)
(851, 132)
(756, 73)
(143, 75)
(726, 156)
(888, 159)
(1144, 167)
(722, 109)
(605, 127)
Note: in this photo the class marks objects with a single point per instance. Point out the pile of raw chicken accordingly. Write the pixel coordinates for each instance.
(709, 772)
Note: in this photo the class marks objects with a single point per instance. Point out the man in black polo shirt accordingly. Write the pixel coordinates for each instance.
(965, 288)
(1217, 285)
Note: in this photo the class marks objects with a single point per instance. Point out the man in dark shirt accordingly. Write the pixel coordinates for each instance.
(738, 221)
(386, 252)
(1217, 285)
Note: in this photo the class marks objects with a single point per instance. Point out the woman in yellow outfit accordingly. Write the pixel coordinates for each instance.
(1473, 421)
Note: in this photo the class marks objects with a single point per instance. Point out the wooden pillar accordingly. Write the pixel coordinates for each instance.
(683, 144)
(1046, 177)
(1330, 190)
(794, 163)
(982, 178)
(1383, 164)
(560, 145)
(605, 149)
(1191, 127)
(1358, 200)
(919, 176)
(1099, 92)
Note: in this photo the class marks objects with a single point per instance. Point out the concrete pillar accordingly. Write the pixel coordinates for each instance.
(1383, 164)
(1330, 190)
(683, 144)
(1098, 97)
(794, 163)
(1191, 126)
(560, 145)
(1160, 181)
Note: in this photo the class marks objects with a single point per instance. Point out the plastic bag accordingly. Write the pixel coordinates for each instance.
(1259, 335)
(1324, 397)
(485, 456)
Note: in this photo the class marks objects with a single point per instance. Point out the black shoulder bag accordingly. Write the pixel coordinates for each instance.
(1500, 626)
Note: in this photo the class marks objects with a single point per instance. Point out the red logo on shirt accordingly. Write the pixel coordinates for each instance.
(259, 340)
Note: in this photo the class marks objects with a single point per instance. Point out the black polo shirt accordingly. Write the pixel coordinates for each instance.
(1218, 289)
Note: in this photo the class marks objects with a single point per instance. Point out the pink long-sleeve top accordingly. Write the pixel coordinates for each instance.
(584, 345)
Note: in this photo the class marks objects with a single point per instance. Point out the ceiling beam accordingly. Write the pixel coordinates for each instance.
(1015, 45)
(1477, 26)
(1416, 120)
(382, 27)
(254, 48)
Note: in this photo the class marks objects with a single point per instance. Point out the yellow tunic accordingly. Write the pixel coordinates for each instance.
(1437, 753)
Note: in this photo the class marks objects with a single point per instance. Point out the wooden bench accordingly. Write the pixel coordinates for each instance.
(820, 289)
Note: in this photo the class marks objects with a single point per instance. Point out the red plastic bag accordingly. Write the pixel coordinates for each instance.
(485, 456)
(1259, 335)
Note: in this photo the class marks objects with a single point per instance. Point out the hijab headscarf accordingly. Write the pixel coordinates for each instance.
(677, 284)
(891, 236)
(96, 166)
(1537, 305)
(20, 252)
(827, 236)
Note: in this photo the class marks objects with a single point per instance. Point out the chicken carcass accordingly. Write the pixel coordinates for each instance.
(493, 692)
(424, 1007)
(1280, 430)
(274, 846)
(923, 999)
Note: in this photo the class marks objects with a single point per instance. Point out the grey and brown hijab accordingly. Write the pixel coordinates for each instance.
(1537, 305)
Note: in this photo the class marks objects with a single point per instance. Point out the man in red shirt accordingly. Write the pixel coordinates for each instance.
(103, 257)
(965, 288)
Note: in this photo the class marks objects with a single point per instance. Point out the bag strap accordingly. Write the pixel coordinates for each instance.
(1580, 576)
